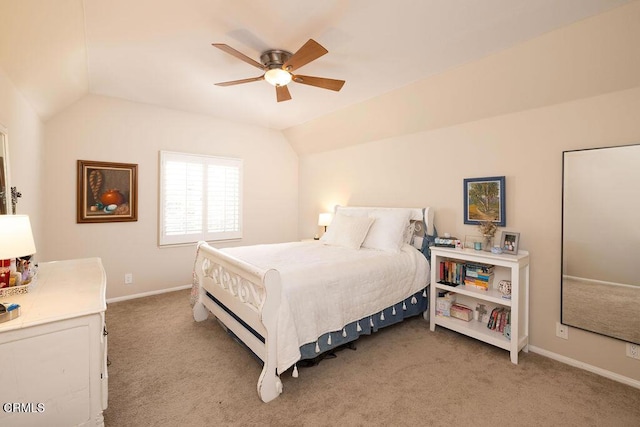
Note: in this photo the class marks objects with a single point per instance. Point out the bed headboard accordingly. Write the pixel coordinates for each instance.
(417, 216)
(424, 215)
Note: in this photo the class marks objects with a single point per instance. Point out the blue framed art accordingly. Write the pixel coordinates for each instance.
(484, 200)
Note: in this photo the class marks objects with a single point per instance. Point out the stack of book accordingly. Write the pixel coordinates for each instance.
(500, 317)
(452, 272)
(447, 242)
(478, 275)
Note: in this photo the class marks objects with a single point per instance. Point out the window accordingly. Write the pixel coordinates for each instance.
(200, 198)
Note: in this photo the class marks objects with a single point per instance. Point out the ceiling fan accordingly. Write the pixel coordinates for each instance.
(279, 65)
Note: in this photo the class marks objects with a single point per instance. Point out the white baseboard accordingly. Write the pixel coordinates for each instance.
(586, 367)
(146, 294)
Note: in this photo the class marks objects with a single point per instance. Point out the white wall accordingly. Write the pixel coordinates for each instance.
(25, 136)
(107, 129)
(594, 56)
(425, 164)
(428, 168)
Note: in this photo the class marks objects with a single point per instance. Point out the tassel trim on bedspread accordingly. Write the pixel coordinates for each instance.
(389, 315)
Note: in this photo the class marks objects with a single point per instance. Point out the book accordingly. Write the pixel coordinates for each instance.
(478, 280)
(494, 317)
(479, 275)
(504, 320)
(478, 285)
(479, 267)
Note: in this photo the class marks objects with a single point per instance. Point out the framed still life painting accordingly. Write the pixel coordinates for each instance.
(484, 200)
(107, 192)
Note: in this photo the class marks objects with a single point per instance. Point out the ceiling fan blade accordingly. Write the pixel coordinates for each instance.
(310, 51)
(322, 82)
(239, 55)
(237, 82)
(282, 93)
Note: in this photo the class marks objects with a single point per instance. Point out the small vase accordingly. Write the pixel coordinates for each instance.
(487, 242)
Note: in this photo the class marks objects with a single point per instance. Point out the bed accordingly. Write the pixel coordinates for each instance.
(294, 301)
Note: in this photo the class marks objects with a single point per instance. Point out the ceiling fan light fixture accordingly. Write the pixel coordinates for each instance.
(278, 77)
(278, 65)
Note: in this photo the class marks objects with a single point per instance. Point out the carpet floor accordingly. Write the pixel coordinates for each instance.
(167, 370)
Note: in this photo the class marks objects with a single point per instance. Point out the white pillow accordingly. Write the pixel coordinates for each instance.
(387, 232)
(347, 231)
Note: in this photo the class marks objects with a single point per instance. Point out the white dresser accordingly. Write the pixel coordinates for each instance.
(53, 358)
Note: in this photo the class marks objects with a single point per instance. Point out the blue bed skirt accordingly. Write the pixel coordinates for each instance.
(416, 304)
(412, 306)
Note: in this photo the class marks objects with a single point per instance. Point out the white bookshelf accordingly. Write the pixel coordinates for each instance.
(507, 267)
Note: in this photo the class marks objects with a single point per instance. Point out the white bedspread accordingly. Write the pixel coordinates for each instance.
(326, 287)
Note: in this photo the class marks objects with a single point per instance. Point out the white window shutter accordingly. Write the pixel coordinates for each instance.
(200, 198)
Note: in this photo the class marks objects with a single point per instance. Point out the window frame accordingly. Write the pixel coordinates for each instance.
(206, 160)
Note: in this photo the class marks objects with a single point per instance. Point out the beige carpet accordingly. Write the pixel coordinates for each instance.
(167, 370)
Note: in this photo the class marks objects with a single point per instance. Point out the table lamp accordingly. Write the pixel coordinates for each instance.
(324, 219)
(16, 240)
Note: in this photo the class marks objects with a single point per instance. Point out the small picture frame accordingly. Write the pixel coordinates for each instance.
(107, 192)
(509, 242)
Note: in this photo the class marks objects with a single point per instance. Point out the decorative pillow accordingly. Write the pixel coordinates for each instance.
(387, 232)
(409, 233)
(347, 231)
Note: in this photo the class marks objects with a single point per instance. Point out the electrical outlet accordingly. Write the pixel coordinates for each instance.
(633, 350)
(562, 331)
(128, 278)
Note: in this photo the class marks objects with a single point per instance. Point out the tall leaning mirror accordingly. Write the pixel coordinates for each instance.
(601, 241)
(5, 187)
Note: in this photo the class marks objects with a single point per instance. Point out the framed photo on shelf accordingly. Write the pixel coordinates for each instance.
(509, 242)
(484, 200)
(107, 192)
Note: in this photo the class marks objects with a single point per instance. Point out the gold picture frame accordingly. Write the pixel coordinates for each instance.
(107, 192)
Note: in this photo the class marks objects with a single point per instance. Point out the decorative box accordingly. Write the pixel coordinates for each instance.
(9, 312)
(443, 307)
(443, 304)
(462, 312)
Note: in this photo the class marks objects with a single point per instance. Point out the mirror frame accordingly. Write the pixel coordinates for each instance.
(5, 178)
(608, 318)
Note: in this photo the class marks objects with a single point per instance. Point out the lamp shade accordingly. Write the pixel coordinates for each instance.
(325, 219)
(16, 239)
(278, 77)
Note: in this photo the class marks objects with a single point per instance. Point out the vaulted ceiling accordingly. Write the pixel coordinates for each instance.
(160, 53)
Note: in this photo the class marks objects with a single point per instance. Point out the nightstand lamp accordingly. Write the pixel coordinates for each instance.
(16, 240)
(324, 219)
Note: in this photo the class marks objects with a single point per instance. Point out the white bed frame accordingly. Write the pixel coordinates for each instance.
(253, 296)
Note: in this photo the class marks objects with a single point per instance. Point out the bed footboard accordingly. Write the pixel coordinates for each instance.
(246, 300)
